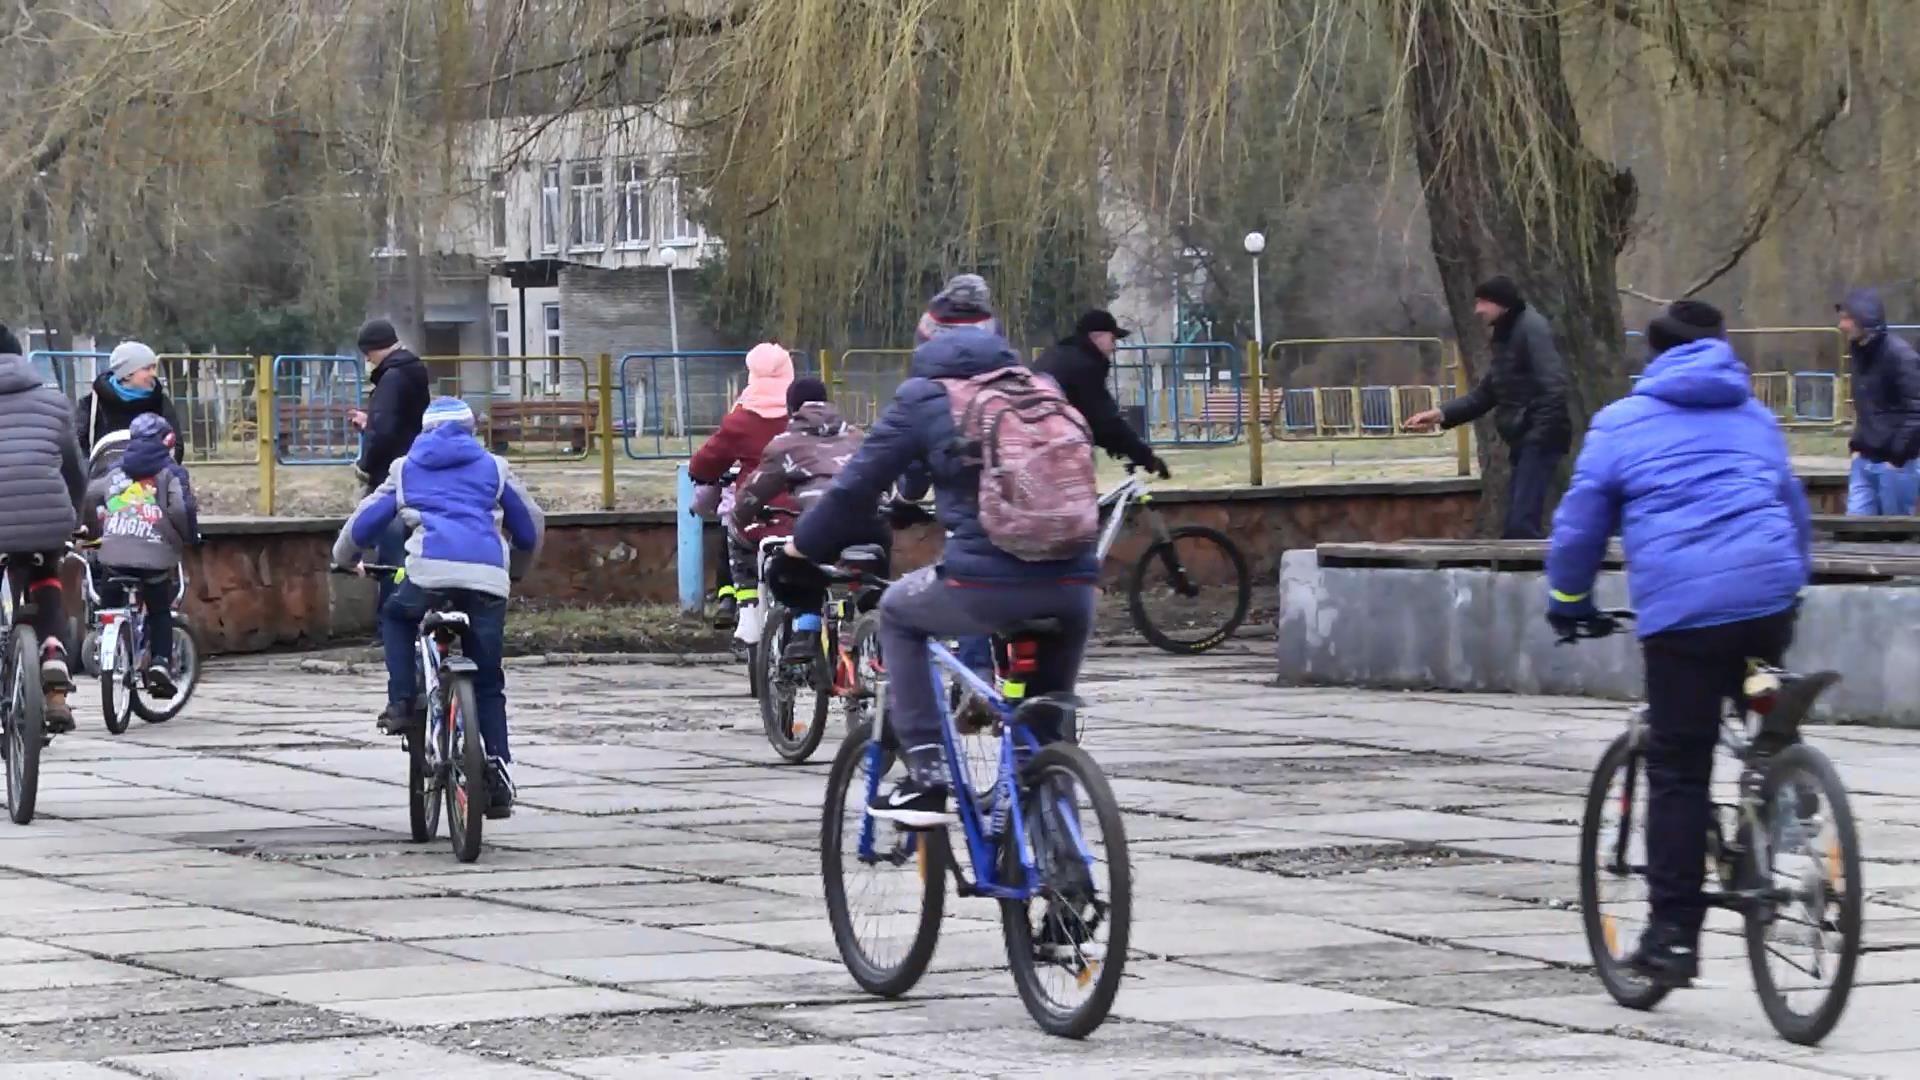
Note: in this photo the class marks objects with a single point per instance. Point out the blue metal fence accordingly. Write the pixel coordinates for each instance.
(313, 399)
(1190, 394)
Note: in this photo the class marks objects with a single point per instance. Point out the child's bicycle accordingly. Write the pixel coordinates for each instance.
(1029, 843)
(1785, 854)
(116, 650)
(446, 759)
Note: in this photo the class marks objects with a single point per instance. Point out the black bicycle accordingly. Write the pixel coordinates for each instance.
(23, 705)
(1785, 854)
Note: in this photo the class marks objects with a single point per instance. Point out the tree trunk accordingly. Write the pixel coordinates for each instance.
(1556, 235)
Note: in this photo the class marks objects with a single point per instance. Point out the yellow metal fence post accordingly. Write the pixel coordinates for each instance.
(1255, 417)
(263, 423)
(1463, 434)
(606, 430)
(826, 369)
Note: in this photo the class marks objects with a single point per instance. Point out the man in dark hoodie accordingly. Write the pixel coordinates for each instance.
(129, 388)
(145, 516)
(402, 390)
(1525, 387)
(1080, 364)
(1885, 477)
(42, 479)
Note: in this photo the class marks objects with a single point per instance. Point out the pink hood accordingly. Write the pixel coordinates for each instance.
(769, 373)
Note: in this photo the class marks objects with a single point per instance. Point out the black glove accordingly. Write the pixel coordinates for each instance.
(1158, 466)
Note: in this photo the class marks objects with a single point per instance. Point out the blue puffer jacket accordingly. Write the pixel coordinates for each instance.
(454, 498)
(915, 438)
(1693, 474)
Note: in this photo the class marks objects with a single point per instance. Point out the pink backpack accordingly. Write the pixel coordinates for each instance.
(1039, 500)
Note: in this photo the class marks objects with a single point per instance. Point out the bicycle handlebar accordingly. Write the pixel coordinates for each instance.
(370, 568)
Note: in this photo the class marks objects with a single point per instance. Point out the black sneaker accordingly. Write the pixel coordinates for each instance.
(801, 648)
(160, 685)
(1666, 958)
(725, 613)
(499, 790)
(913, 804)
(397, 719)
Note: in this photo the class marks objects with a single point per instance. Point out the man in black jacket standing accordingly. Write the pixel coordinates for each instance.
(1525, 387)
(402, 390)
(1080, 365)
(1885, 477)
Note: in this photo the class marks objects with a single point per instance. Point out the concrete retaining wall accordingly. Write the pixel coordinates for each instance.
(1482, 630)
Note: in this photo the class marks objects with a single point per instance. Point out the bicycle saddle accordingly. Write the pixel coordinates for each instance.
(437, 619)
(127, 582)
(1031, 628)
(863, 555)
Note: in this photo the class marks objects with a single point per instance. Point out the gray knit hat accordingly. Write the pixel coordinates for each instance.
(129, 357)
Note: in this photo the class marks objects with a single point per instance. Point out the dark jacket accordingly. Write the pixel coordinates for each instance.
(1886, 386)
(1693, 474)
(916, 434)
(802, 462)
(42, 475)
(742, 437)
(1525, 387)
(402, 390)
(103, 411)
(1081, 370)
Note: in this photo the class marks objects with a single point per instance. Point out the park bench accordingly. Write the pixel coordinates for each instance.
(1224, 412)
(548, 423)
(321, 429)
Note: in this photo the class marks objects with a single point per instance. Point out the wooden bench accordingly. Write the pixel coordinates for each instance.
(550, 423)
(1231, 410)
(316, 429)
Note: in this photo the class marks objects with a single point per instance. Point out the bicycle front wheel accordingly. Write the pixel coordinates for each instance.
(466, 760)
(885, 885)
(1067, 945)
(793, 706)
(1803, 937)
(26, 726)
(1190, 591)
(1613, 872)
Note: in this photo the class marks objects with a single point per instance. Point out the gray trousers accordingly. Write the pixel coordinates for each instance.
(925, 605)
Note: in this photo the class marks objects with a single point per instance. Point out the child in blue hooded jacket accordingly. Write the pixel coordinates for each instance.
(1693, 474)
(455, 500)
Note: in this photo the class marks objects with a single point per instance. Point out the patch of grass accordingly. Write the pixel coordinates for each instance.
(618, 628)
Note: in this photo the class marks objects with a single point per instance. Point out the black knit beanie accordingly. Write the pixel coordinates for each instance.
(1501, 290)
(805, 389)
(1684, 321)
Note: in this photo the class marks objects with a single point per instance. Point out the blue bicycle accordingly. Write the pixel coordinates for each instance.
(1043, 836)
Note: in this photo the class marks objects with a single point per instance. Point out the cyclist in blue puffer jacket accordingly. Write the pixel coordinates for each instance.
(454, 499)
(1694, 476)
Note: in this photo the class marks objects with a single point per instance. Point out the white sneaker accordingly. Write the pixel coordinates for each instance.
(753, 621)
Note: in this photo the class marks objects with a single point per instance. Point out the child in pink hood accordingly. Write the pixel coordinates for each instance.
(758, 416)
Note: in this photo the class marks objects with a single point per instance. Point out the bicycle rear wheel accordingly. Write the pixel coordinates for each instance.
(794, 729)
(423, 789)
(1190, 591)
(1613, 872)
(186, 676)
(465, 758)
(116, 683)
(26, 726)
(1808, 929)
(898, 876)
(1067, 946)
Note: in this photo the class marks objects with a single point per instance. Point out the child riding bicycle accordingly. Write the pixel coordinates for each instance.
(454, 499)
(142, 510)
(1694, 475)
(930, 428)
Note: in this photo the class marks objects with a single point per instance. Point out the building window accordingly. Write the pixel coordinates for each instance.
(589, 220)
(550, 207)
(550, 317)
(497, 210)
(635, 215)
(670, 213)
(502, 345)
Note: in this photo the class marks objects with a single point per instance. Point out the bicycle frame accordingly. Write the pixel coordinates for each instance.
(980, 827)
(133, 615)
(1131, 490)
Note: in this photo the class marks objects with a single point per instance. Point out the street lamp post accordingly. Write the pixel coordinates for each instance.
(1257, 243)
(669, 258)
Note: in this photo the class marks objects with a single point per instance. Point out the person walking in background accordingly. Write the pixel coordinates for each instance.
(757, 417)
(129, 388)
(1525, 387)
(1080, 364)
(402, 390)
(1885, 477)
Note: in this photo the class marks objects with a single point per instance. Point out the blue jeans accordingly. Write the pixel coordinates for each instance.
(1878, 488)
(482, 643)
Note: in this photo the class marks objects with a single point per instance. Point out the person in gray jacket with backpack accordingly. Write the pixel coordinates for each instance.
(143, 512)
(1007, 559)
(42, 477)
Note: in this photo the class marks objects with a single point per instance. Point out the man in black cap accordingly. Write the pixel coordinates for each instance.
(402, 390)
(1080, 365)
(1525, 387)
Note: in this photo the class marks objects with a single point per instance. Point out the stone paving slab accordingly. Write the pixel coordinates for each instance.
(1328, 883)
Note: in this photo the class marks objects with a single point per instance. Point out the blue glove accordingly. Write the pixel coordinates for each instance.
(1564, 613)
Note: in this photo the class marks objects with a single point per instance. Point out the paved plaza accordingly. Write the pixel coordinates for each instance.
(1329, 883)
